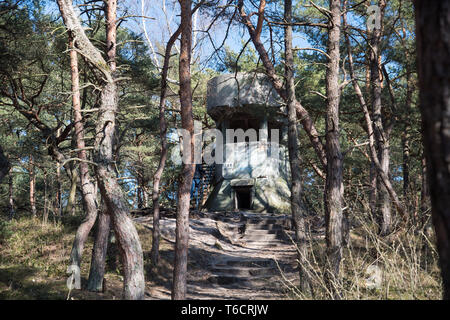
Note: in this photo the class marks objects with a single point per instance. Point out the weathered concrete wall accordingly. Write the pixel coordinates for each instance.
(269, 195)
(254, 160)
(228, 92)
(261, 165)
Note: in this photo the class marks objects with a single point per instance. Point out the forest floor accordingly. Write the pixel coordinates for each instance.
(34, 258)
(232, 256)
(229, 258)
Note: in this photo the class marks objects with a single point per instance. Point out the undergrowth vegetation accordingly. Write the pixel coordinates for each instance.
(403, 265)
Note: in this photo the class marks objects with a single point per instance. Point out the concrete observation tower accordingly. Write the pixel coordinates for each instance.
(255, 174)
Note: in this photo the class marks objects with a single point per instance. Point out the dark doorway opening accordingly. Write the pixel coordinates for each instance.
(243, 197)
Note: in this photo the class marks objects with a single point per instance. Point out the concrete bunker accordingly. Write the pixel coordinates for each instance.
(255, 173)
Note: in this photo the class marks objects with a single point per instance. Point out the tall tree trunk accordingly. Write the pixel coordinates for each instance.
(88, 190)
(298, 209)
(334, 188)
(381, 137)
(145, 194)
(406, 134)
(162, 160)
(433, 48)
(32, 186)
(384, 199)
(384, 177)
(187, 123)
(139, 193)
(373, 177)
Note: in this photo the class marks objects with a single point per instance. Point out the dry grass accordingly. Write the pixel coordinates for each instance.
(34, 259)
(407, 263)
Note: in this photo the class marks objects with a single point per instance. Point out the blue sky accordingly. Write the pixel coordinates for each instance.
(157, 28)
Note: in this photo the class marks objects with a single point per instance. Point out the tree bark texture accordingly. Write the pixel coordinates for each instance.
(187, 123)
(98, 261)
(433, 53)
(334, 188)
(381, 137)
(384, 177)
(127, 237)
(88, 189)
(298, 209)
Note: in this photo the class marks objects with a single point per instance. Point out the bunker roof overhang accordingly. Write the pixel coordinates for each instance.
(251, 93)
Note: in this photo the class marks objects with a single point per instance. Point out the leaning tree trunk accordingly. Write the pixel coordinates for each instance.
(188, 167)
(433, 52)
(383, 176)
(116, 204)
(162, 160)
(298, 209)
(334, 188)
(98, 260)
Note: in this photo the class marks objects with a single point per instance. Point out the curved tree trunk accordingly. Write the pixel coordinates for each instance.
(116, 204)
(88, 189)
(127, 237)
